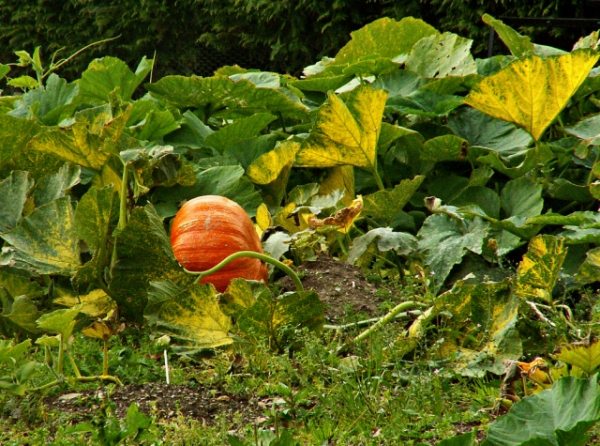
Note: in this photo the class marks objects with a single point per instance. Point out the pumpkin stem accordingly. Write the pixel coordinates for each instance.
(256, 255)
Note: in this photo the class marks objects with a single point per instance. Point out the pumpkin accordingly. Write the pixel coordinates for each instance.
(209, 228)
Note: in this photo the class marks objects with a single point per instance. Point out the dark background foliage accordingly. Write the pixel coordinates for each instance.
(198, 36)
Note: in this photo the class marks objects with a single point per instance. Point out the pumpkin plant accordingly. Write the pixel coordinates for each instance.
(212, 236)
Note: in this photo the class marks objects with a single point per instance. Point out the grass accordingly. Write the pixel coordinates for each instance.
(308, 396)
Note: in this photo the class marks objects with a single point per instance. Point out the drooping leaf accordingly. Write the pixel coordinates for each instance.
(345, 133)
(518, 45)
(442, 55)
(143, 254)
(531, 92)
(95, 304)
(585, 357)
(444, 241)
(45, 242)
(191, 315)
(61, 322)
(559, 416)
(384, 239)
(384, 206)
(13, 194)
(538, 271)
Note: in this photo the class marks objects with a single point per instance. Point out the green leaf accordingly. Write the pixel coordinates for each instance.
(425, 103)
(45, 241)
(522, 197)
(482, 130)
(59, 321)
(345, 133)
(191, 315)
(150, 120)
(383, 37)
(49, 104)
(539, 269)
(56, 185)
(241, 129)
(444, 241)
(402, 243)
(13, 194)
(584, 357)
(559, 416)
(518, 45)
(143, 254)
(445, 148)
(531, 92)
(589, 271)
(110, 76)
(24, 82)
(442, 55)
(21, 311)
(384, 206)
(227, 96)
(587, 129)
(468, 439)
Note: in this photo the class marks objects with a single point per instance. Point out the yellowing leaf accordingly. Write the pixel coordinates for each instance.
(346, 133)
(98, 330)
(263, 219)
(339, 178)
(266, 168)
(585, 357)
(538, 271)
(94, 304)
(531, 92)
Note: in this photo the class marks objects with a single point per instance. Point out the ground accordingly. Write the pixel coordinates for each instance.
(340, 286)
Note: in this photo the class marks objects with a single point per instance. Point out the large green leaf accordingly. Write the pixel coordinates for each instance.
(559, 416)
(384, 206)
(444, 241)
(539, 269)
(57, 184)
(21, 311)
(110, 76)
(189, 314)
(384, 37)
(346, 132)
(442, 55)
(45, 242)
(143, 254)
(531, 92)
(587, 129)
(238, 131)
(522, 197)
(225, 94)
(13, 194)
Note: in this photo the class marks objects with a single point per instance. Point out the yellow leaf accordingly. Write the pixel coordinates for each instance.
(266, 168)
(263, 219)
(98, 330)
(94, 304)
(584, 357)
(339, 178)
(346, 133)
(342, 220)
(531, 92)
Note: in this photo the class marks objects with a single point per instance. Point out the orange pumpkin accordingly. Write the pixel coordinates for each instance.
(209, 228)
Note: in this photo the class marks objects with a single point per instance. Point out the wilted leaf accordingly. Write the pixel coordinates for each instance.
(442, 55)
(191, 315)
(98, 330)
(559, 416)
(342, 220)
(538, 271)
(386, 239)
(345, 133)
(531, 92)
(585, 357)
(46, 241)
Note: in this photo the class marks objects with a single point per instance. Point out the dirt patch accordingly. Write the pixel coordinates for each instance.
(163, 400)
(342, 287)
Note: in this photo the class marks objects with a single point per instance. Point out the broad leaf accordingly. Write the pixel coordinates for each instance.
(191, 315)
(556, 417)
(585, 357)
(61, 322)
(269, 166)
(538, 271)
(143, 254)
(384, 206)
(45, 242)
(384, 240)
(445, 148)
(95, 304)
(444, 241)
(345, 133)
(522, 197)
(13, 194)
(57, 184)
(589, 271)
(442, 55)
(531, 92)
(21, 311)
(241, 129)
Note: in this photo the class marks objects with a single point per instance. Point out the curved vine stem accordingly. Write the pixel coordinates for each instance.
(256, 255)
